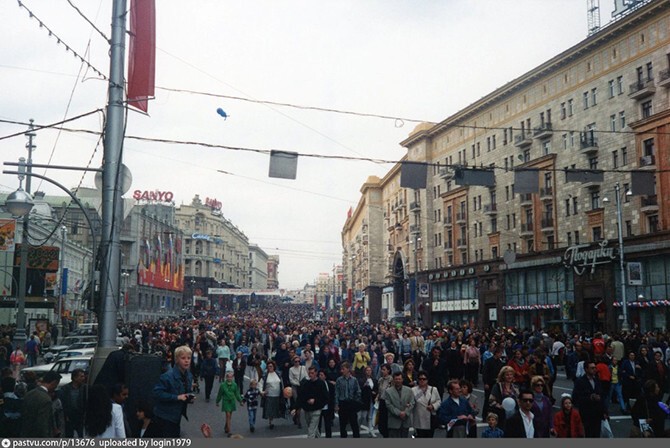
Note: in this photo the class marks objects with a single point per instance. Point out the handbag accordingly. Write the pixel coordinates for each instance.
(434, 421)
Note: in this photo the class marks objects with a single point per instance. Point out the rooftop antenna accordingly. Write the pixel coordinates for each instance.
(593, 16)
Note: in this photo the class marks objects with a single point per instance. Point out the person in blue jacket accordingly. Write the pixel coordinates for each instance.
(455, 411)
(173, 393)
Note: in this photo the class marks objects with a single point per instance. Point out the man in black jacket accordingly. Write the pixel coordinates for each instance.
(490, 371)
(589, 399)
(521, 425)
(73, 397)
(436, 369)
(312, 397)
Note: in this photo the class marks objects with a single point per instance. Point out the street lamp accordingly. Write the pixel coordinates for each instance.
(619, 220)
(125, 277)
(415, 289)
(19, 204)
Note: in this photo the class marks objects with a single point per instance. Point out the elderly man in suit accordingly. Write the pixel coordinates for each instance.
(37, 419)
(399, 404)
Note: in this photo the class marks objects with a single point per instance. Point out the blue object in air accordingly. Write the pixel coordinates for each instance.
(222, 113)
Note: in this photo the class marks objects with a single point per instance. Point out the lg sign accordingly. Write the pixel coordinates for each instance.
(156, 195)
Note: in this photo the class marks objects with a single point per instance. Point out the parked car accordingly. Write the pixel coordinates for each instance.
(68, 341)
(63, 366)
(70, 352)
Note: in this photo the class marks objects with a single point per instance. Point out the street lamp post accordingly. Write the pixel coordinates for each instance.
(59, 314)
(20, 203)
(414, 293)
(624, 305)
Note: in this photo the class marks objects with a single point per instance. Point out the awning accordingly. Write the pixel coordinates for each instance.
(645, 304)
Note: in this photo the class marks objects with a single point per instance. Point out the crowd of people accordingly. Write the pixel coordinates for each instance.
(393, 380)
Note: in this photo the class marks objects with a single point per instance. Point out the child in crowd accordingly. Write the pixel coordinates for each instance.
(492, 432)
(251, 400)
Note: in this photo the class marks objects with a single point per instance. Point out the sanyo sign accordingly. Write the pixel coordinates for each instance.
(153, 196)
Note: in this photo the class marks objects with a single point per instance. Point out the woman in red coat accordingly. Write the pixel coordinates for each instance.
(520, 365)
(567, 421)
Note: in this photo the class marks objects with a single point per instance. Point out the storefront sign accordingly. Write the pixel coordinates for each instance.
(200, 236)
(581, 257)
(156, 195)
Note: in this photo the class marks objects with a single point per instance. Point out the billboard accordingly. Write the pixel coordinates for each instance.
(7, 233)
(161, 262)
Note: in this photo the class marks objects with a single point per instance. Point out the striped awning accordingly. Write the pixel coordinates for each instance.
(644, 304)
(551, 306)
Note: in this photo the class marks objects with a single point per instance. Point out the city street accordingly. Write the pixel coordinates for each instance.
(201, 412)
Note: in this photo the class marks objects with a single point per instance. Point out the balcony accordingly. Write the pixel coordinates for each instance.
(462, 243)
(414, 229)
(543, 131)
(461, 217)
(415, 206)
(664, 78)
(526, 198)
(588, 143)
(447, 221)
(449, 246)
(547, 223)
(522, 140)
(649, 204)
(648, 161)
(546, 193)
(526, 229)
(491, 209)
(642, 89)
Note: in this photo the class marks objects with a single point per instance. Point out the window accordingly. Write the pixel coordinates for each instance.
(615, 159)
(595, 200)
(585, 97)
(546, 147)
(597, 233)
(531, 245)
(570, 108)
(613, 121)
(626, 189)
(576, 236)
(493, 141)
(564, 111)
(565, 141)
(569, 238)
(494, 225)
(593, 163)
(572, 139)
(567, 207)
(593, 96)
(526, 155)
(610, 88)
(624, 156)
(648, 147)
(619, 83)
(622, 119)
(494, 252)
(646, 109)
(488, 144)
(650, 71)
(629, 228)
(652, 222)
(550, 242)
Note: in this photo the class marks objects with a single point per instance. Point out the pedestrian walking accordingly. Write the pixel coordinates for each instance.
(251, 401)
(229, 396)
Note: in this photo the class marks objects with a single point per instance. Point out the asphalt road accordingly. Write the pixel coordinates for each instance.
(201, 412)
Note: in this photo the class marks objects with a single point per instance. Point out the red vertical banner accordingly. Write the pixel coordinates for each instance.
(142, 53)
(314, 299)
(350, 297)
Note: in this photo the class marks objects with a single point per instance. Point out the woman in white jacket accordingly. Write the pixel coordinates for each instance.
(428, 401)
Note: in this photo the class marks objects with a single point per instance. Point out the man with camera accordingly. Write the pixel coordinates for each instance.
(173, 393)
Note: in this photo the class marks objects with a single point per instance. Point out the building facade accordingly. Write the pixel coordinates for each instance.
(258, 267)
(216, 253)
(497, 254)
(273, 272)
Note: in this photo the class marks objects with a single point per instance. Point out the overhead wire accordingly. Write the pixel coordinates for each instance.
(60, 41)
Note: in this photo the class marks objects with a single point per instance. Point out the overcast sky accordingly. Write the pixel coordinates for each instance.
(418, 59)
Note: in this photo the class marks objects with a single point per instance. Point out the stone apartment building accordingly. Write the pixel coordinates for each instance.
(489, 255)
